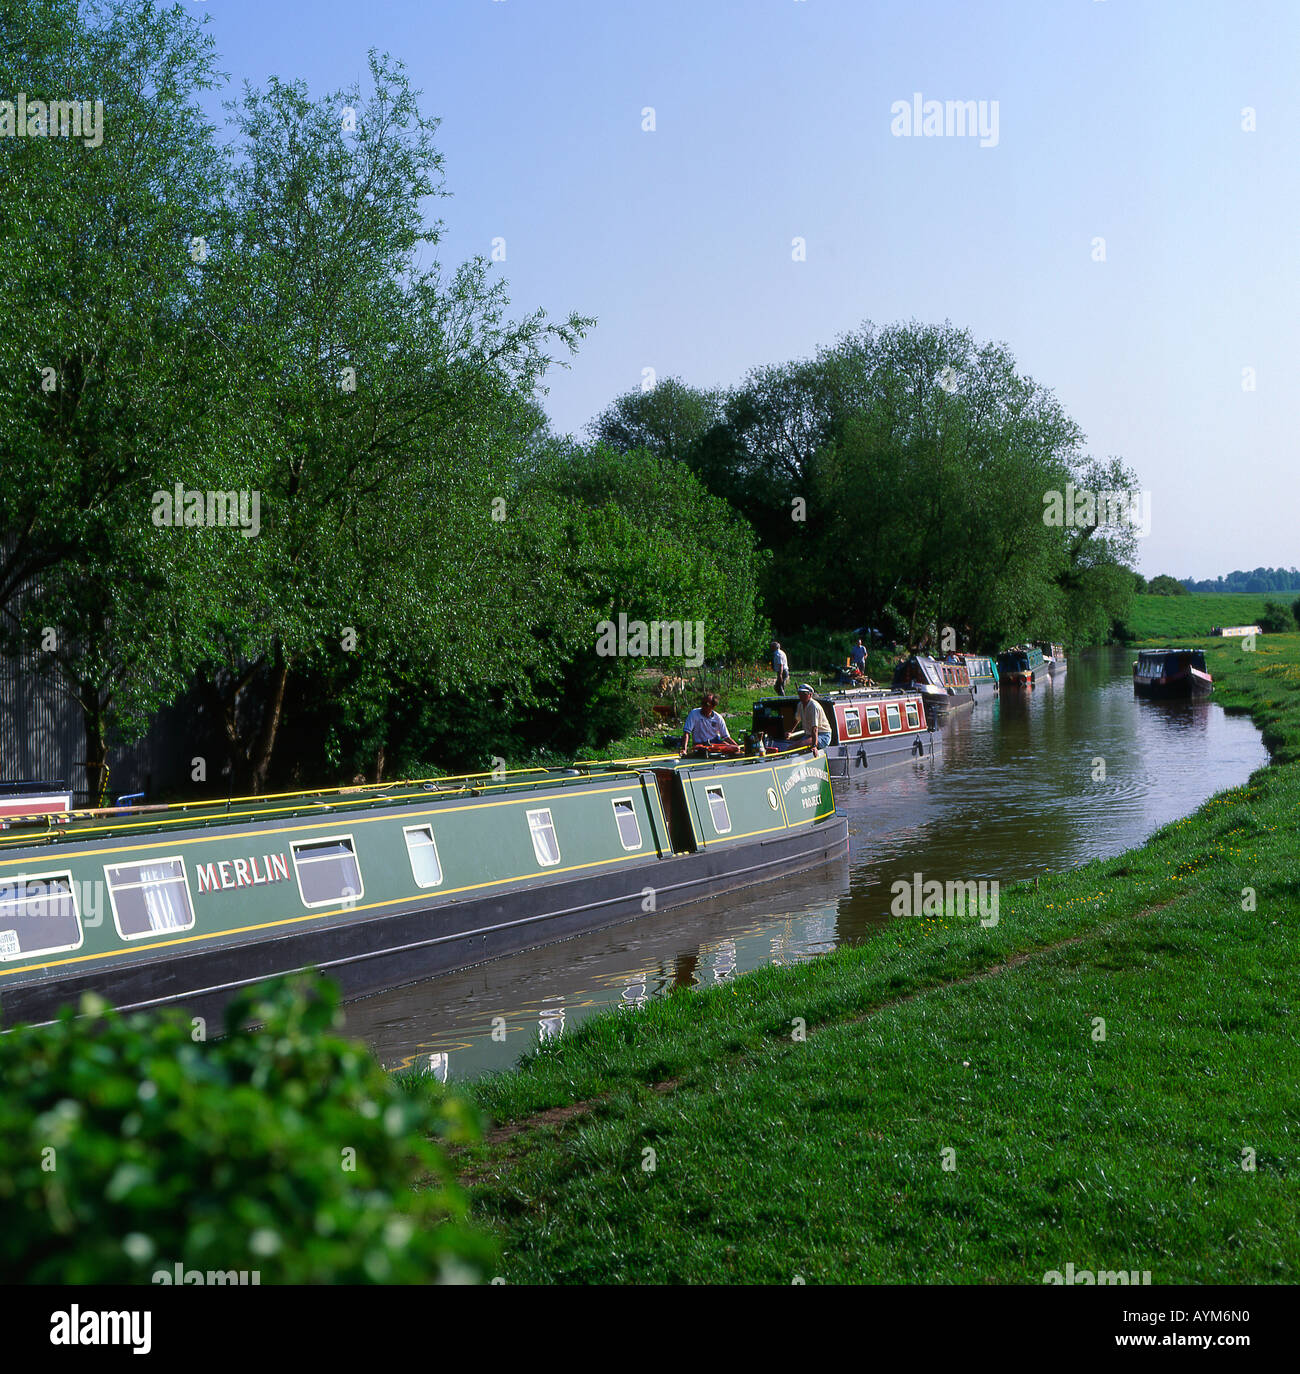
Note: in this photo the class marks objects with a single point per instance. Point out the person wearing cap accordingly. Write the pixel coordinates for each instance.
(810, 720)
(781, 666)
(704, 724)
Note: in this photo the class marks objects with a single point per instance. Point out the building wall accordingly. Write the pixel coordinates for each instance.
(42, 739)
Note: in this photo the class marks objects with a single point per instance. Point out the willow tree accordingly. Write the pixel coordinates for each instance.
(363, 393)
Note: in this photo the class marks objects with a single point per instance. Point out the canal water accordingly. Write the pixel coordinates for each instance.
(1019, 785)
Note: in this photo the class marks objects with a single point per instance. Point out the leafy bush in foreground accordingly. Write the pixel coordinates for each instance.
(128, 1147)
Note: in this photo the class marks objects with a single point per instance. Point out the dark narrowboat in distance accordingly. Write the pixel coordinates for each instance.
(944, 686)
(870, 726)
(1022, 667)
(1171, 673)
(382, 885)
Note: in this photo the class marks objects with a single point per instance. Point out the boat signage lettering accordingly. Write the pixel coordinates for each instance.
(225, 873)
(808, 778)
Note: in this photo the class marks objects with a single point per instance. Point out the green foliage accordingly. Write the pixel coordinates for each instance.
(127, 1146)
(1164, 585)
(902, 476)
(668, 420)
(1276, 619)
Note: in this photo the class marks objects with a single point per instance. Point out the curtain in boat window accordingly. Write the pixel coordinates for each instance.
(150, 898)
(327, 871)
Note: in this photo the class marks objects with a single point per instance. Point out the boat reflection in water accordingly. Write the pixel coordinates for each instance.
(702, 945)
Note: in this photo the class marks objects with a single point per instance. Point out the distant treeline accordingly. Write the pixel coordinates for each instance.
(1260, 580)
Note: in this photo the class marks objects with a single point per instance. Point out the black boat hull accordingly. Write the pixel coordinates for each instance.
(1183, 688)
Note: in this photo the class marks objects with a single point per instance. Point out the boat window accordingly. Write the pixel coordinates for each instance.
(545, 845)
(38, 916)
(873, 720)
(718, 810)
(148, 898)
(913, 717)
(852, 722)
(892, 717)
(629, 831)
(327, 871)
(423, 851)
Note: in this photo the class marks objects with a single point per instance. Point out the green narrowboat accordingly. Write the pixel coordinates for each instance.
(386, 884)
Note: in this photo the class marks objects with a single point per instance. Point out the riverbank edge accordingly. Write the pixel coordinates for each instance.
(616, 1065)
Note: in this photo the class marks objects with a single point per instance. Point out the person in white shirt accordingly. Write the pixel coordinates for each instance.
(811, 721)
(781, 666)
(704, 724)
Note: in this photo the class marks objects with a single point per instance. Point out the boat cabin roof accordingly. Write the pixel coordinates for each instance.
(98, 823)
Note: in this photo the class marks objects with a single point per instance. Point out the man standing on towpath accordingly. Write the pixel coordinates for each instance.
(781, 665)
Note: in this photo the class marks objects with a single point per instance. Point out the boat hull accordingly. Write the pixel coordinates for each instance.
(1184, 685)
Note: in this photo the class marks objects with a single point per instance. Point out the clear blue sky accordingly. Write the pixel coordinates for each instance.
(1116, 118)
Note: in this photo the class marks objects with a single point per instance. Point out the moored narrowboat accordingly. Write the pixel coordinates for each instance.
(944, 686)
(34, 798)
(1171, 673)
(1023, 666)
(870, 727)
(983, 670)
(1053, 657)
(386, 884)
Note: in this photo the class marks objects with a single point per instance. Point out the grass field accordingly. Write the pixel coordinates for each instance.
(939, 1105)
(1172, 618)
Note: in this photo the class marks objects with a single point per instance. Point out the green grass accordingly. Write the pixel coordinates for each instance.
(776, 1158)
(1170, 618)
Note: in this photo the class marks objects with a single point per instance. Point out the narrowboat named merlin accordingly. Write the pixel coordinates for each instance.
(383, 885)
(1171, 673)
(870, 726)
(1022, 667)
(944, 686)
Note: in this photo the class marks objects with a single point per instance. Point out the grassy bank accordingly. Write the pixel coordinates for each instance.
(1194, 615)
(823, 1157)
